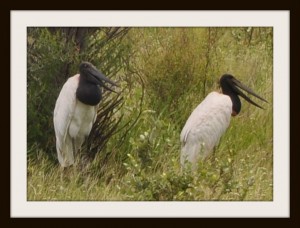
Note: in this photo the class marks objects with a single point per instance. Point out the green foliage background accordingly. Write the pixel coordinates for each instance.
(164, 73)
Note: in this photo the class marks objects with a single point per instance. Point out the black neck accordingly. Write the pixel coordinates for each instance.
(236, 102)
(88, 93)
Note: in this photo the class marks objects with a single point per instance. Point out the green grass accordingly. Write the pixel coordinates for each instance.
(173, 65)
(240, 169)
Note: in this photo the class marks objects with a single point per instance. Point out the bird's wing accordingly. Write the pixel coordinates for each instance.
(213, 110)
(194, 120)
(64, 108)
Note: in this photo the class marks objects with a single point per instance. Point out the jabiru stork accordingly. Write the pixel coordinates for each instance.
(76, 110)
(209, 121)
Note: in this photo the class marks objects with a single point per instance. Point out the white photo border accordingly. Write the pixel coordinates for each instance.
(279, 20)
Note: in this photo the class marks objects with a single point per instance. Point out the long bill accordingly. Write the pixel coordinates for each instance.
(101, 77)
(237, 84)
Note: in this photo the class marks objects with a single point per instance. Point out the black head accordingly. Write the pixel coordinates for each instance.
(88, 91)
(89, 73)
(230, 86)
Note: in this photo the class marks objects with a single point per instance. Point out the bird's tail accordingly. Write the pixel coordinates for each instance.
(189, 154)
(192, 153)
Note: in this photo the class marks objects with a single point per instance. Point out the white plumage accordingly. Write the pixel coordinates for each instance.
(76, 111)
(209, 121)
(72, 120)
(204, 127)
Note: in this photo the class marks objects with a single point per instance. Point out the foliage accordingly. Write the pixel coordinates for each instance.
(54, 55)
(164, 73)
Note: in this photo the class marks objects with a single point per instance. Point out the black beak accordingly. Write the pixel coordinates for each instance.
(237, 84)
(101, 77)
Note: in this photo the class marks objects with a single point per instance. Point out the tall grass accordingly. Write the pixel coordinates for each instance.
(173, 69)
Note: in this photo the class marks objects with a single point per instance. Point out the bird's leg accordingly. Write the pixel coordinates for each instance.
(74, 148)
(78, 144)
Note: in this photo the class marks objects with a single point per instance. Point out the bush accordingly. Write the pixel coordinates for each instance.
(54, 55)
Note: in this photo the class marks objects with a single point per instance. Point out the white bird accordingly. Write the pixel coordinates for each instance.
(209, 121)
(76, 111)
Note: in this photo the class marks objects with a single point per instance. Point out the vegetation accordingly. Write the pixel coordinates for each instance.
(164, 74)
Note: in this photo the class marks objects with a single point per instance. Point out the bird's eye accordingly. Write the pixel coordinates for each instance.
(85, 65)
